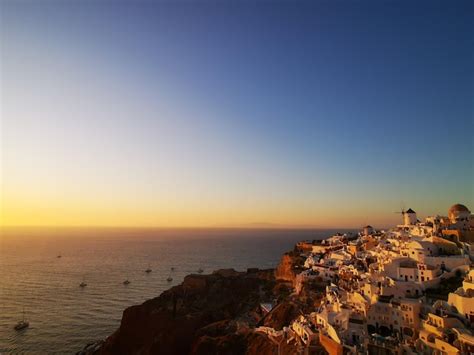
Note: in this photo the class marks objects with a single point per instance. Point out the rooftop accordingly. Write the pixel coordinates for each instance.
(458, 208)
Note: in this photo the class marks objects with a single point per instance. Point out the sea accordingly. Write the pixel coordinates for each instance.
(41, 269)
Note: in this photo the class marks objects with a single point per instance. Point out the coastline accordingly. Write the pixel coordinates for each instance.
(372, 291)
(205, 312)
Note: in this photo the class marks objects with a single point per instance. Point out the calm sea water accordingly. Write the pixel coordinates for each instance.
(64, 317)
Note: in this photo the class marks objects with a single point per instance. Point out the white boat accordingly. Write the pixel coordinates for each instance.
(23, 324)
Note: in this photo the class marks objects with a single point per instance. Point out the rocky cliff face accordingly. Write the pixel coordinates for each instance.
(287, 269)
(205, 314)
(210, 314)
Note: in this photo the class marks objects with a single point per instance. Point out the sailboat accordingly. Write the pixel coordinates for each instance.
(23, 324)
(169, 279)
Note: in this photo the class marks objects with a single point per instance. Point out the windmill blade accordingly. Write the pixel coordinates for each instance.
(402, 206)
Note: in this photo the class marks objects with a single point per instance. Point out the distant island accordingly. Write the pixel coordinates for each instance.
(406, 290)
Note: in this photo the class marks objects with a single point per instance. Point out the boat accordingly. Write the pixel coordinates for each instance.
(148, 270)
(83, 283)
(200, 271)
(169, 279)
(59, 256)
(23, 324)
(172, 269)
(126, 282)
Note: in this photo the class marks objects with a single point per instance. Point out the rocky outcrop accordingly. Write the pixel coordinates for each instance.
(222, 337)
(282, 315)
(244, 341)
(211, 314)
(205, 314)
(288, 267)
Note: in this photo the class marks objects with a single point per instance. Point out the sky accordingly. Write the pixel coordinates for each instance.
(234, 113)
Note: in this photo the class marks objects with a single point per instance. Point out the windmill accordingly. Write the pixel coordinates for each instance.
(402, 211)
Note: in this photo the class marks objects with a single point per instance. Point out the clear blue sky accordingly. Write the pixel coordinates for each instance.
(325, 113)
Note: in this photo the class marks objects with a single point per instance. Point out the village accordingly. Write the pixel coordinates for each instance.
(407, 290)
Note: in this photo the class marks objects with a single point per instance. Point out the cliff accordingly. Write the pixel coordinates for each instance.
(288, 267)
(211, 314)
(205, 314)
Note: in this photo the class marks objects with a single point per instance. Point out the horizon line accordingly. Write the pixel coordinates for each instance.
(247, 226)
